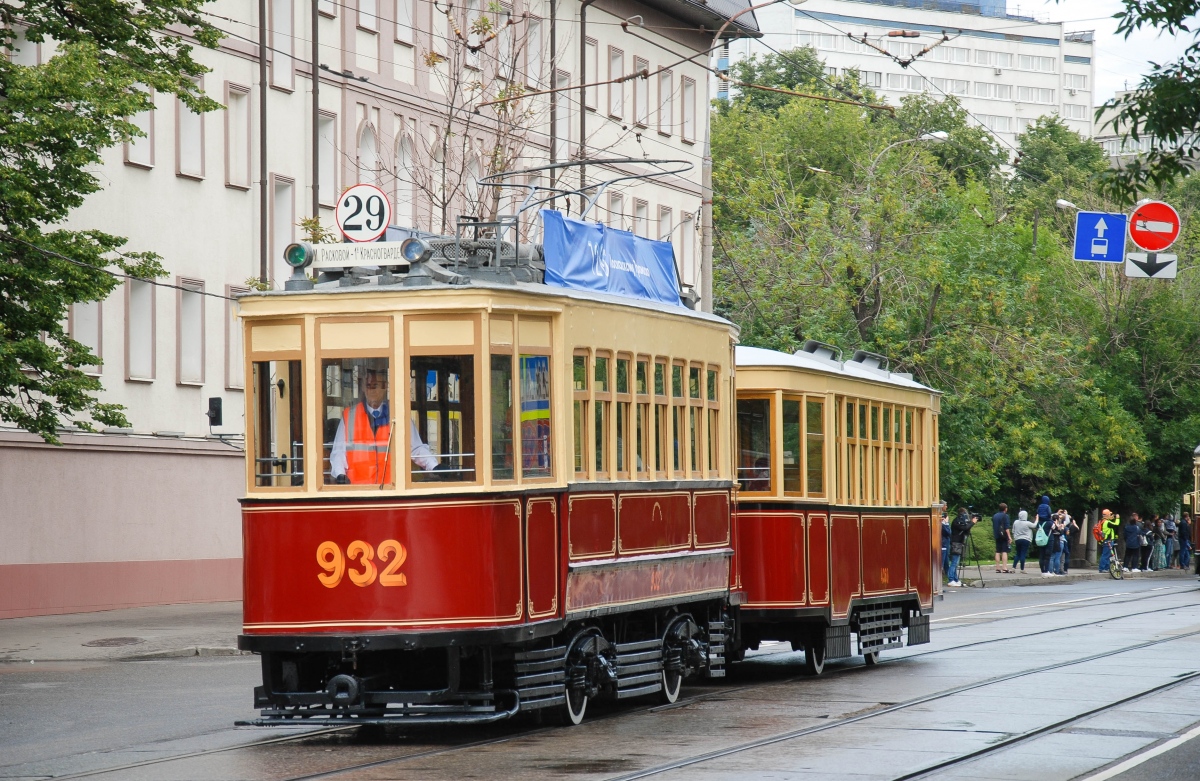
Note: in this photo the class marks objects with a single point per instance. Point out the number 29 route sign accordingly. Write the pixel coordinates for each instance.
(363, 213)
(1154, 226)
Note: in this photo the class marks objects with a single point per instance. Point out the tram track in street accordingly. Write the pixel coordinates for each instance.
(700, 697)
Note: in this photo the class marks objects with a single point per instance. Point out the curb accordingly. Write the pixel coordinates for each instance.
(1039, 580)
(184, 653)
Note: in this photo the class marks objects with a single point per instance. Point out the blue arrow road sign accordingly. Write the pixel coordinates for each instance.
(1100, 237)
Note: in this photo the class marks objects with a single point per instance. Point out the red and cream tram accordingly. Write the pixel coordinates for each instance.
(479, 496)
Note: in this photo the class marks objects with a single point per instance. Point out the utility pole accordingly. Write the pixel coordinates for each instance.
(262, 142)
(316, 117)
(583, 100)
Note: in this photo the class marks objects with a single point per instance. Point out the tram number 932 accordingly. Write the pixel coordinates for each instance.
(391, 554)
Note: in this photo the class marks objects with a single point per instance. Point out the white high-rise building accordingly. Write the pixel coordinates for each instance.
(1006, 69)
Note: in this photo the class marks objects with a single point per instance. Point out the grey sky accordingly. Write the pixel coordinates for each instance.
(1118, 61)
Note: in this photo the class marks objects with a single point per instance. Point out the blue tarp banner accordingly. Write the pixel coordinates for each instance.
(588, 256)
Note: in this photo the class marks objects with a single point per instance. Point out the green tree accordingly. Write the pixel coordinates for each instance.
(55, 120)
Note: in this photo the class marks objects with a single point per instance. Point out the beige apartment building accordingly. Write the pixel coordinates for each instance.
(150, 515)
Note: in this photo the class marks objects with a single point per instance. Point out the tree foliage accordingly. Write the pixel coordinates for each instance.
(55, 120)
(842, 225)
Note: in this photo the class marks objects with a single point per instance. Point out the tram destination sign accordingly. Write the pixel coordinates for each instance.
(375, 253)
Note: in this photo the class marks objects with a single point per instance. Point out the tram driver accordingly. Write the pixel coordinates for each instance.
(361, 449)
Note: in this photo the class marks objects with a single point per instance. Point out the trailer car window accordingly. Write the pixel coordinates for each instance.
(278, 424)
(535, 416)
(754, 444)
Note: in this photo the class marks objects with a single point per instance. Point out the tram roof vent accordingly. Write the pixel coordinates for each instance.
(822, 351)
(868, 360)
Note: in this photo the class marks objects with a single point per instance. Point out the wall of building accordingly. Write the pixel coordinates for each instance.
(1006, 71)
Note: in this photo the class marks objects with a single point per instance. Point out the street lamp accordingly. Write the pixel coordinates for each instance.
(1065, 204)
(935, 137)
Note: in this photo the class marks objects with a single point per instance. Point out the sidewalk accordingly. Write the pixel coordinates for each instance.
(987, 577)
(162, 631)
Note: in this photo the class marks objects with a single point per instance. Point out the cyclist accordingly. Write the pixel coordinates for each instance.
(1108, 538)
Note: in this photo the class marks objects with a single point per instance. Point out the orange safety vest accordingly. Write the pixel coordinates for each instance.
(367, 451)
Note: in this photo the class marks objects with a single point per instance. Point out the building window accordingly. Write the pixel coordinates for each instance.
(235, 353)
(562, 133)
(687, 249)
(189, 142)
(665, 225)
(282, 43)
(189, 335)
(368, 14)
(996, 124)
(952, 86)
(868, 78)
(534, 61)
(641, 218)
(900, 81)
(327, 158)
(1075, 81)
(666, 103)
(404, 208)
(1075, 111)
(689, 109)
(952, 54)
(993, 91)
(616, 211)
(22, 51)
(139, 150)
(237, 136)
(404, 21)
(995, 59)
(1027, 62)
(592, 61)
(616, 89)
(1035, 95)
(139, 330)
(85, 325)
(283, 218)
(641, 93)
(368, 155)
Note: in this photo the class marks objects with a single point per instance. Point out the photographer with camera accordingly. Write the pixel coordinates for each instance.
(958, 542)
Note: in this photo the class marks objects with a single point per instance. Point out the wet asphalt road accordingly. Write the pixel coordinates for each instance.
(1040, 683)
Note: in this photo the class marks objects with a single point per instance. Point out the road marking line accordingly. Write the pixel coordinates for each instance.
(1030, 607)
(1129, 764)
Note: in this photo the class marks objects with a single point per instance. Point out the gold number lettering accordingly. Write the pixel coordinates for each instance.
(329, 556)
(365, 552)
(389, 576)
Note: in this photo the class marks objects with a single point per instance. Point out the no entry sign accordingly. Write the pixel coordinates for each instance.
(1154, 226)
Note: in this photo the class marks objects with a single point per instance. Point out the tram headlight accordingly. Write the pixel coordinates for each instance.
(415, 250)
(299, 255)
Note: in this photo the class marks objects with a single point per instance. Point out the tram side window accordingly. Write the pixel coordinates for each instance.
(677, 420)
(791, 446)
(441, 396)
(754, 444)
(815, 444)
(603, 401)
(660, 418)
(623, 405)
(535, 416)
(502, 418)
(712, 429)
(642, 388)
(579, 384)
(278, 424)
(358, 439)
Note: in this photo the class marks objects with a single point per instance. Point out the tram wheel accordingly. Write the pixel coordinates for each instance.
(814, 659)
(672, 682)
(574, 708)
(871, 658)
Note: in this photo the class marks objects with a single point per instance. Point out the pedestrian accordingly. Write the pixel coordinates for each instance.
(1185, 541)
(1133, 544)
(1158, 532)
(1170, 529)
(1056, 539)
(1044, 521)
(1002, 532)
(1022, 531)
(1070, 529)
(1108, 537)
(958, 542)
(945, 546)
(1147, 541)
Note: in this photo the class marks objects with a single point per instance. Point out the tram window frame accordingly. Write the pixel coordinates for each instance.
(472, 425)
(644, 402)
(696, 416)
(500, 352)
(678, 434)
(529, 352)
(326, 354)
(712, 430)
(581, 367)
(297, 420)
(601, 421)
(290, 355)
(820, 438)
(793, 473)
(751, 473)
(662, 404)
(623, 408)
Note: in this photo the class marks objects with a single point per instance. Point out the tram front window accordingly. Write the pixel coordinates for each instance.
(754, 444)
(441, 396)
(359, 437)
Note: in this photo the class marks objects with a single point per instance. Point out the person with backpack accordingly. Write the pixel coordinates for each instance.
(1133, 544)
(1042, 538)
(1185, 540)
(1070, 527)
(1170, 529)
(958, 542)
(1105, 533)
(1003, 536)
(1056, 540)
(1022, 538)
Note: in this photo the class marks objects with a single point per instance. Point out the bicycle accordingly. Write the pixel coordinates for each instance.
(1114, 561)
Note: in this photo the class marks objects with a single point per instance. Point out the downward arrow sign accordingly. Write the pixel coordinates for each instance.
(1100, 227)
(1151, 264)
